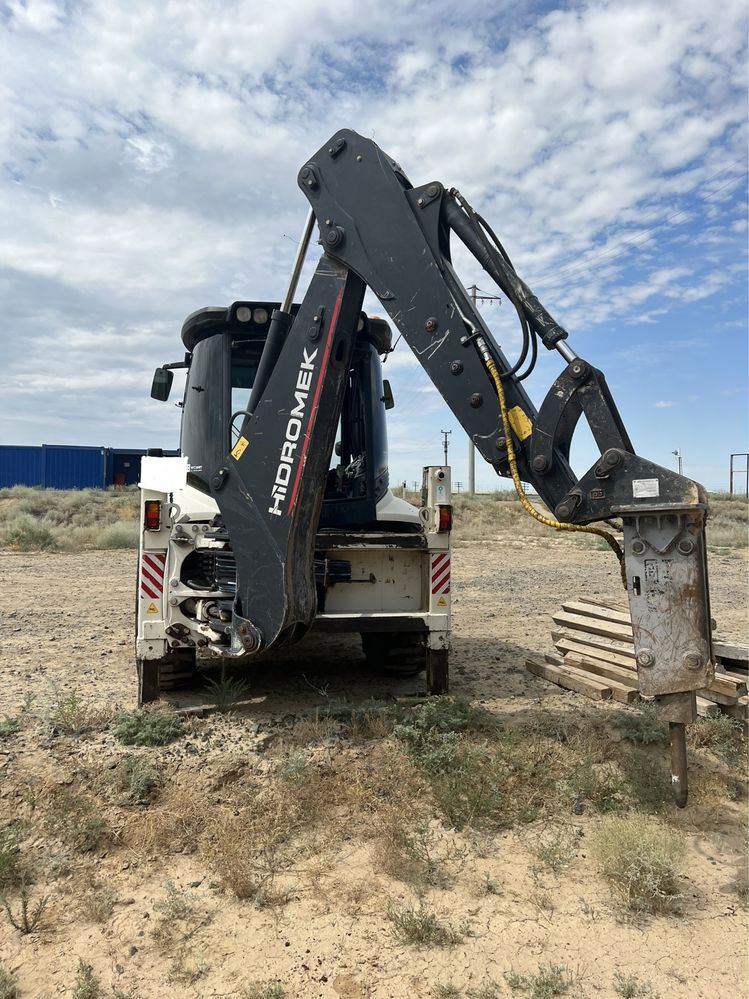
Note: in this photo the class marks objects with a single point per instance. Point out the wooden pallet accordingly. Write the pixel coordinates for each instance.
(596, 657)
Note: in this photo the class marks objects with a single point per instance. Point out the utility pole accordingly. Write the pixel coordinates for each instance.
(476, 298)
(678, 455)
(734, 470)
(445, 442)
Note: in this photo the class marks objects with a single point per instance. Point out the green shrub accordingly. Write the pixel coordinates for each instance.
(119, 535)
(263, 990)
(549, 981)
(11, 865)
(25, 534)
(642, 861)
(642, 725)
(147, 728)
(421, 927)
(629, 987)
(227, 692)
(87, 985)
(71, 715)
(137, 778)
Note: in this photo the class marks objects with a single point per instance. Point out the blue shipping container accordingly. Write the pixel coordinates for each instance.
(60, 466)
(20, 466)
(74, 467)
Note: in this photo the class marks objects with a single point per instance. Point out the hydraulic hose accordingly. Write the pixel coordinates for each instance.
(524, 501)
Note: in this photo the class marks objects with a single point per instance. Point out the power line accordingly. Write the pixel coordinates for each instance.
(445, 441)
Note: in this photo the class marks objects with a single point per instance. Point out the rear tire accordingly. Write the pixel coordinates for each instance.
(394, 653)
(174, 670)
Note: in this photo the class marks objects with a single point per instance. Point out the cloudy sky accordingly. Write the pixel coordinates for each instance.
(149, 158)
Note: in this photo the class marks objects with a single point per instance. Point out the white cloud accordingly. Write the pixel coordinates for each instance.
(150, 155)
(662, 404)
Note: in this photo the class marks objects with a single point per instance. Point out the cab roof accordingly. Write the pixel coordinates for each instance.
(252, 319)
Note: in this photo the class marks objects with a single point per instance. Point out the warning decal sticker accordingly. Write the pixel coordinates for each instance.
(152, 574)
(239, 448)
(152, 608)
(441, 572)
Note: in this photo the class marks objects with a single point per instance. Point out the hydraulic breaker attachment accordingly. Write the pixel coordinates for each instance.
(668, 597)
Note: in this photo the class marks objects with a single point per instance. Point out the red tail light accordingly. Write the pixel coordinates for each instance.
(445, 519)
(152, 515)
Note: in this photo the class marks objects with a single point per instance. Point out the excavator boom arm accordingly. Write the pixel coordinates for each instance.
(379, 231)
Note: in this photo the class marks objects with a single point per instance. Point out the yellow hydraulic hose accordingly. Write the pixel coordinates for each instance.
(525, 502)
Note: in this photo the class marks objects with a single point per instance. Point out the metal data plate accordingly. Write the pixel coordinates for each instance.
(669, 602)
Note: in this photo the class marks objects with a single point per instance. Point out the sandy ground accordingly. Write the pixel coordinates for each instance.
(67, 624)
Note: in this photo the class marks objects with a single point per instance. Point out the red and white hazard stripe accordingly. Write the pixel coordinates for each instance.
(441, 572)
(152, 568)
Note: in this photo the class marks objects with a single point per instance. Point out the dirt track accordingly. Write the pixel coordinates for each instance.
(67, 624)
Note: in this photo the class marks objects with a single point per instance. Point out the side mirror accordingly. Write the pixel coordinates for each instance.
(338, 448)
(161, 385)
(387, 394)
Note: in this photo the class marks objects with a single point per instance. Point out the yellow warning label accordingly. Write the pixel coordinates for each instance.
(239, 448)
(442, 602)
(520, 422)
(152, 608)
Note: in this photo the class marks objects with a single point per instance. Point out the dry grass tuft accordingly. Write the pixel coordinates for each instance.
(415, 853)
(722, 735)
(630, 987)
(87, 985)
(75, 819)
(421, 927)
(174, 825)
(8, 986)
(549, 981)
(642, 861)
(70, 714)
(263, 990)
(97, 903)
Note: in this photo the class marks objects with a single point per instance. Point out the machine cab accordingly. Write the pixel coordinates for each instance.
(224, 347)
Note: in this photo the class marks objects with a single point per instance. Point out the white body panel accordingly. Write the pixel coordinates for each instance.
(402, 586)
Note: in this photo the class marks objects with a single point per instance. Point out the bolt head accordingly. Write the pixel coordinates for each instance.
(476, 400)
(686, 546)
(638, 547)
(540, 463)
(645, 658)
(433, 190)
(692, 660)
(456, 367)
(430, 325)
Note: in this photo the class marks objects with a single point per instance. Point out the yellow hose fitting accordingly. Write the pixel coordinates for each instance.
(524, 501)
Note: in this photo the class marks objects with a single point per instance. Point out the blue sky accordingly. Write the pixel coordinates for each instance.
(149, 156)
